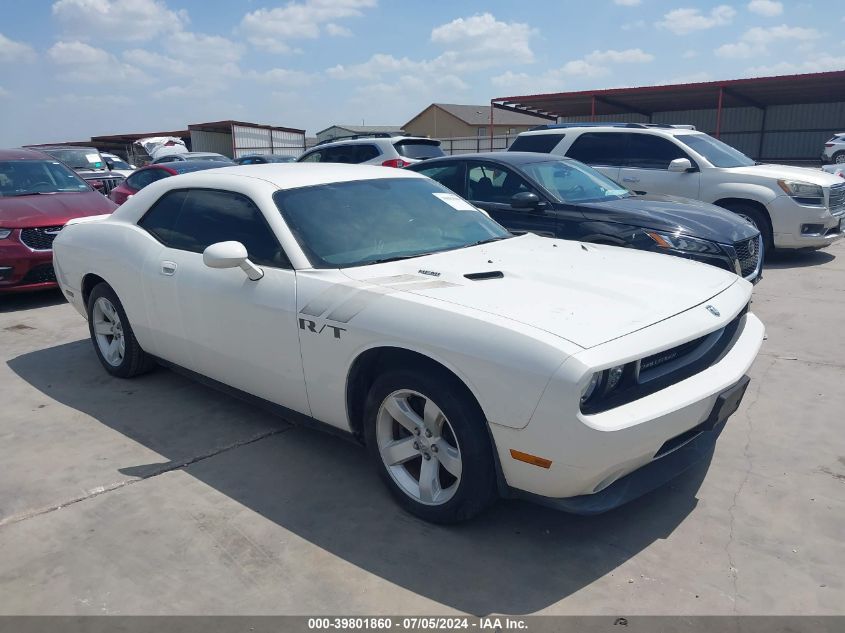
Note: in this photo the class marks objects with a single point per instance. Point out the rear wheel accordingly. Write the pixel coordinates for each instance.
(112, 335)
(757, 218)
(429, 442)
(839, 158)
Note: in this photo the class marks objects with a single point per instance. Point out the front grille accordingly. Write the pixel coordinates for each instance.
(40, 275)
(837, 198)
(40, 239)
(104, 184)
(748, 253)
(661, 358)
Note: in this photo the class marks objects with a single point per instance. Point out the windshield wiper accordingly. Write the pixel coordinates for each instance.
(487, 241)
(394, 258)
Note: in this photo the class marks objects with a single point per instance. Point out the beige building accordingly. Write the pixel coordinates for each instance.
(448, 120)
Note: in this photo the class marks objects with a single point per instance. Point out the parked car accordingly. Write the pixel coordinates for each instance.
(834, 150)
(470, 361)
(117, 165)
(379, 148)
(837, 169)
(30, 218)
(88, 163)
(793, 207)
(263, 159)
(174, 158)
(560, 197)
(151, 173)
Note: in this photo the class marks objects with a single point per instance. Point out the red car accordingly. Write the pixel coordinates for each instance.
(140, 178)
(38, 195)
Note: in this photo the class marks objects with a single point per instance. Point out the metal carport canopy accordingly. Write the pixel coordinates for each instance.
(759, 92)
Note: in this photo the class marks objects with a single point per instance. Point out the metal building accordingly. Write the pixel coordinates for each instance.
(786, 118)
(236, 138)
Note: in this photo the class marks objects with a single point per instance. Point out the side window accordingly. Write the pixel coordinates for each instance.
(194, 219)
(450, 176)
(341, 154)
(599, 148)
(543, 143)
(493, 184)
(651, 152)
(366, 152)
(141, 179)
(313, 157)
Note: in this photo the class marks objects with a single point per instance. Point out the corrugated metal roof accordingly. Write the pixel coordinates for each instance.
(480, 115)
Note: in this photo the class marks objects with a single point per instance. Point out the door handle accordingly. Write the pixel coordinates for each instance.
(168, 268)
(630, 179)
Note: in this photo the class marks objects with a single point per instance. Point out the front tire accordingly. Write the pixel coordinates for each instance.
(112, 335)
(754, 216)
(429, 442)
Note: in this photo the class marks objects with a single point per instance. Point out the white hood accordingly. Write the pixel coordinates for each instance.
(586, 294)
(787, 172)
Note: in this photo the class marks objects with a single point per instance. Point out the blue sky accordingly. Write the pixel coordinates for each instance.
(70, 69)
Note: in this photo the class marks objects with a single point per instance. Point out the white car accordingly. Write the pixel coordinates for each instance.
(792, 207)
(471, 362)
(834, 150)
(117, 165)
(380, 148)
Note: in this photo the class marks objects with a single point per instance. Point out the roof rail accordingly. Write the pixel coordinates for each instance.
(350, 137)
(554, 126)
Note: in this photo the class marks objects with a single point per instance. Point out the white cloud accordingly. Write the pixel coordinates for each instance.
(3, 92)
(282, 77)
(683, 21)
(818, 63)
(756, 41)
(274, 29)
(84, 63)
(124, 20)
(690, 78)
(629, 56)
(768, 8)
(627, 3)
(204, 49)
(11, 51)
(483, 36)
(336, 30)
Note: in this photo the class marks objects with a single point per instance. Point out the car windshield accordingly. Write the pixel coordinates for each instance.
(362, 222)
(419, 149)
(82, 158)
(719, 154)
(571, 181)
(120, 164)
(32, 177)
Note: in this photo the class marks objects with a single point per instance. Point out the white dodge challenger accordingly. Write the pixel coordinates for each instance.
(473, 364)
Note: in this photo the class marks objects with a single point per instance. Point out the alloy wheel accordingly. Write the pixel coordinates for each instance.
(108, 332)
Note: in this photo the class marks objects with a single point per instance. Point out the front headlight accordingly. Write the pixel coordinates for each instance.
(4, 233)
(805, 192)
(602, 384)
(683, 243)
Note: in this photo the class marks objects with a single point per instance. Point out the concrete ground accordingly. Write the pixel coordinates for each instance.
(158, 495)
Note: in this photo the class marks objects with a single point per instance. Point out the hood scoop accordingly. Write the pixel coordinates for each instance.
(490, 274)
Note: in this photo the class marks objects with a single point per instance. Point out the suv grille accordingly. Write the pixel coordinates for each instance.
(108, 183)
(837, 198)
(748, 253)
(40, 239)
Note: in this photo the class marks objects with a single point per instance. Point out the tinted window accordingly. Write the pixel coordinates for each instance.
(194, 219)
(493, 184)
(342, 154)
(313, 157)
(420, 149)
(543, 143)
(27, 177)
(450, 175)
(570, 181)
(366, 152)
(141, 179)
(598, 148)
(651, 152)
(360, 222)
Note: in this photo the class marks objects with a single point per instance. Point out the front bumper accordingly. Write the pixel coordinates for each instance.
(588, 453)
(23, 269)
(800, 226)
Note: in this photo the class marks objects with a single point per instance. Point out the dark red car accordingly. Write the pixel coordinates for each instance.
(38, 195)
(140, 178)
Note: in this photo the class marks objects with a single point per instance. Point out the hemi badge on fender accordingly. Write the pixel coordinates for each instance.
(429, 272)
(531, 459)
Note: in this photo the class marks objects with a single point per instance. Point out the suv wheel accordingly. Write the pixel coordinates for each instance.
(839, 158)
(429, 442)
(753, 215)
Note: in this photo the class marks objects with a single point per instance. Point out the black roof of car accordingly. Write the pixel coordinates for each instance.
(507, 158)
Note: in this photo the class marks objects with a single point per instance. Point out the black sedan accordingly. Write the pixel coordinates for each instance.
(561, 197)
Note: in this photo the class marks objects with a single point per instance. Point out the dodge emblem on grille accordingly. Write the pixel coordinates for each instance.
(712, 310)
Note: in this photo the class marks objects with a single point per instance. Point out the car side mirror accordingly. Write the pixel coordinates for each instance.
(526, 200)
(680, 165)
(231, 255)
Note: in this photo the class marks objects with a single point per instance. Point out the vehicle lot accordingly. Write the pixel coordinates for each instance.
(159, 495)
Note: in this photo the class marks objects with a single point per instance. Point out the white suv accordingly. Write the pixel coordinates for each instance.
(374, 149)
(793, 207)
(834, 149)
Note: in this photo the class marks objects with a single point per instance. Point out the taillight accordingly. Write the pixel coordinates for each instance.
(395, 162)
(828, 144)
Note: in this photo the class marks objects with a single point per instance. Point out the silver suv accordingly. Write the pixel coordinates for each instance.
(374, 149)
(834, 149)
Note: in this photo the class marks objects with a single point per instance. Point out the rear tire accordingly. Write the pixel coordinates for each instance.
(429, 441)
(759, 219)
(114, 341)
(839, 158)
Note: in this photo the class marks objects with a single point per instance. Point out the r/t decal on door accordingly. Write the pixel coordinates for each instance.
(311, 326)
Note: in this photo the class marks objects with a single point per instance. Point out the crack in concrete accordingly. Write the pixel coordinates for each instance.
(731, 510)
(795, 359)
(165, 468)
